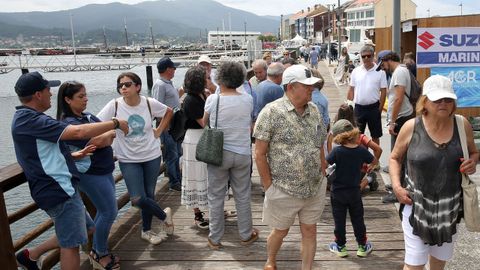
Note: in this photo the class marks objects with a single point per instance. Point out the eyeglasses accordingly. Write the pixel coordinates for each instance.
(446, 100)
(366, 56)
(126, 84)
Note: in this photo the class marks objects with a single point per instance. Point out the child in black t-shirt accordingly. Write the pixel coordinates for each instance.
(345, 192)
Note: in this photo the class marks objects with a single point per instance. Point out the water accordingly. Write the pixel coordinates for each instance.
(101, 88)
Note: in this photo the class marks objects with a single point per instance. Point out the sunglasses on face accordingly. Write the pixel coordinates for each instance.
(446, 100)
(126, 84)
(366, 56)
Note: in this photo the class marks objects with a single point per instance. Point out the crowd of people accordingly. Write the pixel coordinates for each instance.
(298, 152)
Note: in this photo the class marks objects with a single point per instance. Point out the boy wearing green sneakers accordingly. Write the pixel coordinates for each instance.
(345, 194)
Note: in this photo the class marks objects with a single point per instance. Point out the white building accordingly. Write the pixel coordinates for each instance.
(360, 17)
(234, 37)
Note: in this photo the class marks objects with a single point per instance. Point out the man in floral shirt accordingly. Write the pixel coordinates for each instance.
(289, 135)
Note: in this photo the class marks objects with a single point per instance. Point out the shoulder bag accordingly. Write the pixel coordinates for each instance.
(471, 211)
(210, 145)
(177, 126)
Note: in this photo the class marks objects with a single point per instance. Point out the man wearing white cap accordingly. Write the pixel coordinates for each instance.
(206, 62)
(289, 135)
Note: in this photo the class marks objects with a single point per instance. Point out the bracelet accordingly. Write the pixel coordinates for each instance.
(116, 123)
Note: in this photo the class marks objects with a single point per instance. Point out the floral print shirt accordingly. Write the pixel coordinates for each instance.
(294, 145)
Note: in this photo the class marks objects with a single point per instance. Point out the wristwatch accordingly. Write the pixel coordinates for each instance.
(116, 123)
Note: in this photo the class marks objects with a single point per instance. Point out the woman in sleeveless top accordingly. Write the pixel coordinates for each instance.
(431, 144)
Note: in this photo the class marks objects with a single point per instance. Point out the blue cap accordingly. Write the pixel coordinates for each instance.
(164, 63)
(31, 82)
(380, 56)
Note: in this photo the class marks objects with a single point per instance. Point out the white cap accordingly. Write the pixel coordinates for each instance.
(298, 73)
(437, 87)
(204, 58)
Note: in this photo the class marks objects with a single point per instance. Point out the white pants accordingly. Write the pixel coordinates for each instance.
(416, 251)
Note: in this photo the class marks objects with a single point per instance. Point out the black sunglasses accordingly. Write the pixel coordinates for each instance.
(126, 84)
(446, 100)
(367, 56)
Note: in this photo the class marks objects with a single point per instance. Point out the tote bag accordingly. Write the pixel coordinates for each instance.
(471, 211)
(210, 145)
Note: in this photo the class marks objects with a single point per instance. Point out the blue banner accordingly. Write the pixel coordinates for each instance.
(466, 83)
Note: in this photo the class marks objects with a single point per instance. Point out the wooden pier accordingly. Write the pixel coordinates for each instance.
(187, 248)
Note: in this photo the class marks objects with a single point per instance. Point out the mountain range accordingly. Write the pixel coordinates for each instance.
(174, 18)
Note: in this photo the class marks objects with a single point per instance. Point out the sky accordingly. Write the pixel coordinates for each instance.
(267, 7)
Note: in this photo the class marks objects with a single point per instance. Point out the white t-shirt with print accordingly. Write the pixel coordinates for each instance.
(140, 144)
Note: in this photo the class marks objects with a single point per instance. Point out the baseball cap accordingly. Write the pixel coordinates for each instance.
(380, 55)
(437, 87)
(166, 62)
(31, 82)
(204, 58)
(341, 126)
(298, 73)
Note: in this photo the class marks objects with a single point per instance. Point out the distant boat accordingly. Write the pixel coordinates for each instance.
(115, 55)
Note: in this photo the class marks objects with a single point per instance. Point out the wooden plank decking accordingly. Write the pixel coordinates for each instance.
(187, 248)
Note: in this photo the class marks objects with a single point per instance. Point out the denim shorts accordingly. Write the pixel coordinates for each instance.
(71, 222)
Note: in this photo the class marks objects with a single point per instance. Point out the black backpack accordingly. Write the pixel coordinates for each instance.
(415, 91)
(177, 125)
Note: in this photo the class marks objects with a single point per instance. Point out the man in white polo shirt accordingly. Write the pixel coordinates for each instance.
(368, 90)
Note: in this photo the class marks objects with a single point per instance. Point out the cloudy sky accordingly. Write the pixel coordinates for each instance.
(267, 7)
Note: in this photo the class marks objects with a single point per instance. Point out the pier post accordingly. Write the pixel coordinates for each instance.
(149, 79)
(7, 252)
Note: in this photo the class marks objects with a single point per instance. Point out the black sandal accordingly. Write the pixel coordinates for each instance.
(95, 261)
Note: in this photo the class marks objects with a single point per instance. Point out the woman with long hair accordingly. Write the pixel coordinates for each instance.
(194, 172)
(94, 161)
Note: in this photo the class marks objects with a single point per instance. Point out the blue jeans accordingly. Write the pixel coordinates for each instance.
(100, 189)
(173, 151)
(71, 222)
(141, 179)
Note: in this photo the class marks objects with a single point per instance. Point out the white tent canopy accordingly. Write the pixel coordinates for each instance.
(299, 39)
(295, 42)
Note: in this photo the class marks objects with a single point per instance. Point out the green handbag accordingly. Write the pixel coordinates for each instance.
(210, 145)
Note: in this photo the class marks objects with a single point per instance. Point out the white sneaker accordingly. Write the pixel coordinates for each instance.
(151, 237)
(168, 222)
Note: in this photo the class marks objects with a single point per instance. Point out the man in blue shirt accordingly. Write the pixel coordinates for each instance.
(164, 91)
(313, 58)
(270, 89)
(49, 168)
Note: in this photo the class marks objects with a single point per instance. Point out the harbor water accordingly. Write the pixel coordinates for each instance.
(101, 88)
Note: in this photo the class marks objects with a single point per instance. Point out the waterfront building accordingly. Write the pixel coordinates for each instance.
(240, 38)
(363, 16)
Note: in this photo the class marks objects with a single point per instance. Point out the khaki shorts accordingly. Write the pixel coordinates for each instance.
(280, 209)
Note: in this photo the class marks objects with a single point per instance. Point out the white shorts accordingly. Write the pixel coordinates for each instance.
(416, 251)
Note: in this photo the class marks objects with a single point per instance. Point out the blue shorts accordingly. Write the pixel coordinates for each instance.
(71, 222)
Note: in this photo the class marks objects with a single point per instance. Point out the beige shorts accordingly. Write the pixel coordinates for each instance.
(280, 209)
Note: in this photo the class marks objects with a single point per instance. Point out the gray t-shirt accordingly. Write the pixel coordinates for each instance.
(401, 76)
(164, 92)
(234, 119)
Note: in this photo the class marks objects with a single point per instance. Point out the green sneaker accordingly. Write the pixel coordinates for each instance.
(364, 250)
(340, 251)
